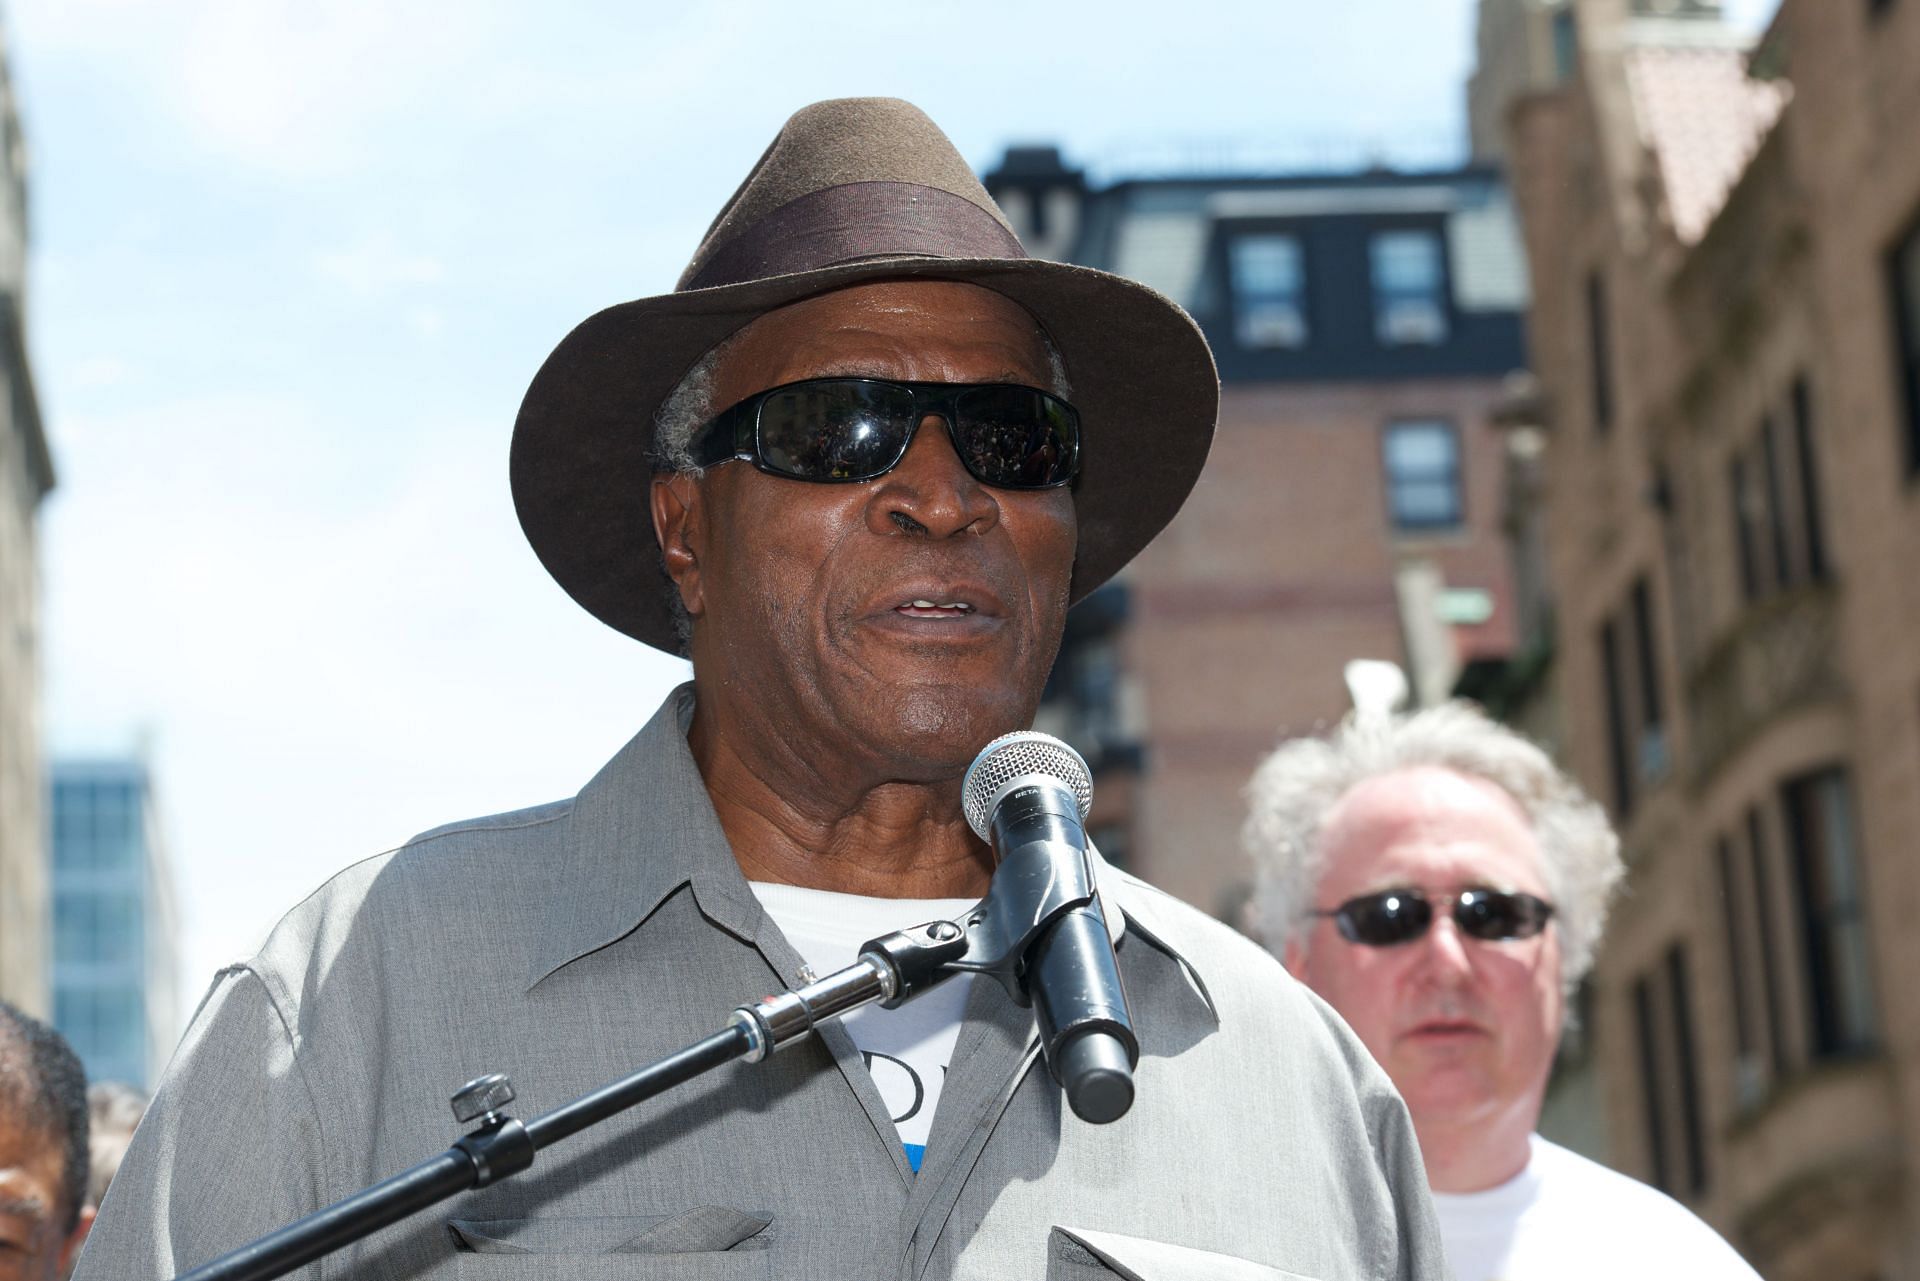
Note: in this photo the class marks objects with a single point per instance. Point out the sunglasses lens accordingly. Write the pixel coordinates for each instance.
(1381, 920)
(835, 430)
(1017, 437)
(1495, 917)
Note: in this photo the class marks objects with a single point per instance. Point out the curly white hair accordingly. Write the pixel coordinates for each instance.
(1296, 787)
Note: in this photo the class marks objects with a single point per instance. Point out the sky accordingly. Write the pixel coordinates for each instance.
(293, 265)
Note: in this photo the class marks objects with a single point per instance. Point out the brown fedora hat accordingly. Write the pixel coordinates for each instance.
(851, 190)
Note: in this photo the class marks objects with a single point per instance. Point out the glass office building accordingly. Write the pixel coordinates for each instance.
(114, 994)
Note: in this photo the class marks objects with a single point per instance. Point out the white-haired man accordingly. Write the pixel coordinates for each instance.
(1443, 887)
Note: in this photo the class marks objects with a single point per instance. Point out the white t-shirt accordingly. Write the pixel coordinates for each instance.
(907, 1050)
(1565, 1218)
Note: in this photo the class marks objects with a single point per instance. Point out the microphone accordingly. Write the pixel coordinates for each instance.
(1026, 795)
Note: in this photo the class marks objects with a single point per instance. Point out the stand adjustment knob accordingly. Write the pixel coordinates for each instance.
(481, 1098)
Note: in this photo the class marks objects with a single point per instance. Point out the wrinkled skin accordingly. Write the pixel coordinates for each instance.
(832, 726)
(1467, 1029)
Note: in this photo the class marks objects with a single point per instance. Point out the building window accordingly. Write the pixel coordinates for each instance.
(1811, 521)
(1776, 506)
(1745, 526)
(1753, 965)
(1650, 747)
(1423, 476)
(97, 927)
(1269, 291)
(1614, 679)
(1669, 1080)
(1636, 719)
(1905, 270)
(1760, 863)
(1599, 353)
(1681, 605)
(1409, 289)
(1824, 854)
(1566, 45)
(1774, 492)
(107, 1027)
(1749, 1070)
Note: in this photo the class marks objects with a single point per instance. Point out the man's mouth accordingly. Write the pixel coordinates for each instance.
(1448, 1028)
(921, 608)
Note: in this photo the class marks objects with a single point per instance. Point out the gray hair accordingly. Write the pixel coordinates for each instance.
(1295, 789)
(689, 407)
(114, 1109)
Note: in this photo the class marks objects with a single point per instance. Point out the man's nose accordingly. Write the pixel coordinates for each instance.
(1443, 956)
(931, 491)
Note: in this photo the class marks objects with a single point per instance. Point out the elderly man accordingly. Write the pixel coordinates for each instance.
(1443, 886)
(867, 499)
(43, 1150)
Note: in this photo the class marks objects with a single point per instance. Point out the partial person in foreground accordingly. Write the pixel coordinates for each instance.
(1444, 887)
(44, 1213)
(856, 467)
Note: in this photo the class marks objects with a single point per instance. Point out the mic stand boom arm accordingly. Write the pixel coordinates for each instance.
(890, 970)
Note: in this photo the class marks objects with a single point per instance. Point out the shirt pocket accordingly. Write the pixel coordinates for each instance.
(707, 1243)
(1080, 1254)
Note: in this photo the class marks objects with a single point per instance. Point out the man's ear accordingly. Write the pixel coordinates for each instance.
(70, 1251)
(1294, 957)
(675, 499)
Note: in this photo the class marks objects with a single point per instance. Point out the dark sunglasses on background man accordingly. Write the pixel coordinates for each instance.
(1389, 917)
(842, 430)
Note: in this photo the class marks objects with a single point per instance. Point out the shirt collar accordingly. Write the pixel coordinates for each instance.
(640, 830)
(644, 827)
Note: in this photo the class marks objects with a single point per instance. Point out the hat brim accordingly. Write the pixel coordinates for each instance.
(581, 463)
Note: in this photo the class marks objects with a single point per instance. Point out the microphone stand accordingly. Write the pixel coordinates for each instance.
(992, 939)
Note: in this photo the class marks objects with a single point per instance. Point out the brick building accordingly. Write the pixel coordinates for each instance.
(1725, 255)
(1365, 325)
(26, 474)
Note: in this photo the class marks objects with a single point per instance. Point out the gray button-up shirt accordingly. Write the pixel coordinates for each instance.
(570, 944)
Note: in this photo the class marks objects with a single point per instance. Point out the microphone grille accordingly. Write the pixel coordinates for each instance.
(1009, 757)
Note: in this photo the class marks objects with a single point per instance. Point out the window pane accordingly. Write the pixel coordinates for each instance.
(1907, 269)
(1423, 447)
(1906, 293)
(1424, 502)
(1809, 480)
(1833, 912)
(1763, 914)
(1269, 289)
(1749, 1072)
(1408, 306)
(1686, 1083)
(1651, 1094)
(1266, 265)
(1614, 694)
(1599, 353)
(1423, 475)
(1406, 260)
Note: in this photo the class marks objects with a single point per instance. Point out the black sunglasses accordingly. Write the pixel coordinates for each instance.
(1390, 917)
(842, 430)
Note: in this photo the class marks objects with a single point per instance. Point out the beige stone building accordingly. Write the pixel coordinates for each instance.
(1725, 256)
(26, 474)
